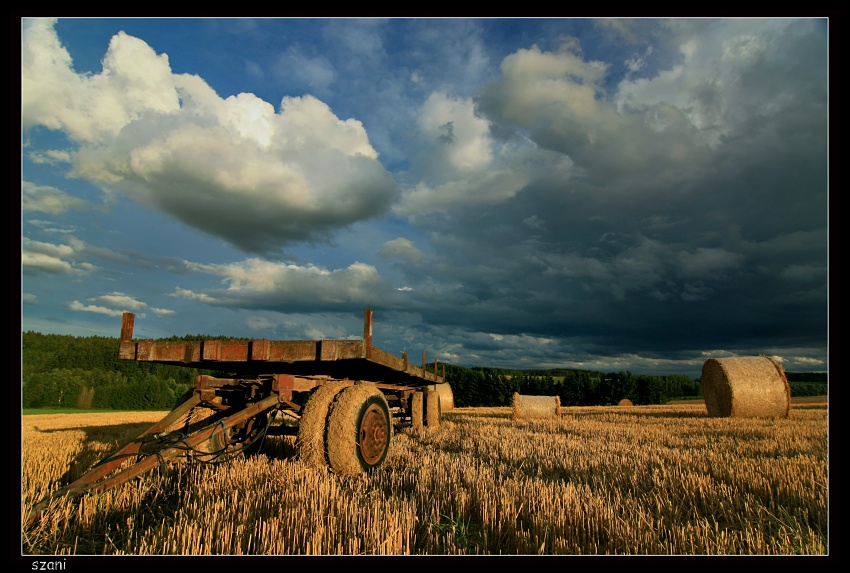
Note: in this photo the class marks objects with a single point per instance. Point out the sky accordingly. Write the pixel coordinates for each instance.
(604, 194)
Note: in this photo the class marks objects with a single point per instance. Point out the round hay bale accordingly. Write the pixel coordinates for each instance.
(525, 407)
(745, 387)
(625, 402)
(433, 410)
(447, 398)
(310, 442)
(417, 410)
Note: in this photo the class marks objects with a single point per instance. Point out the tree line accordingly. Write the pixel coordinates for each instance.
(495, 387)
(483, 386)
(63, 371)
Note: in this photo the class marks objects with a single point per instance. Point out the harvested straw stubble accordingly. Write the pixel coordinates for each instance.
(745, 387)
(525, 407)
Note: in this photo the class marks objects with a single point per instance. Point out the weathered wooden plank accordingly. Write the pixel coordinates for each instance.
(340, 358)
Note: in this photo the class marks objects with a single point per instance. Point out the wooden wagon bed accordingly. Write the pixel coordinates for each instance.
(337, 359)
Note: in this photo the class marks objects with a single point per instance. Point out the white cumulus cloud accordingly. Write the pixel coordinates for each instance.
(258, 283)
(233, 167)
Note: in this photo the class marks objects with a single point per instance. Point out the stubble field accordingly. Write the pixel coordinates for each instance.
(636, 480)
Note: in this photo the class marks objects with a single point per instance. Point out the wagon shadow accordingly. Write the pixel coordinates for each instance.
(102, 441)
(635, 411)
(278, 447)
(163, 484)
(98, 443)
(161, 500)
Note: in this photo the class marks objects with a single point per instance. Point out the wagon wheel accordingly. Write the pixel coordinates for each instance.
(359, 430)
(310, 442)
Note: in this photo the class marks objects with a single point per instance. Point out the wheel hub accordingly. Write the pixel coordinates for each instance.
(374, 435)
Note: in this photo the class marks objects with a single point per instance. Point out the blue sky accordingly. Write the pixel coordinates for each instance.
(525, 193)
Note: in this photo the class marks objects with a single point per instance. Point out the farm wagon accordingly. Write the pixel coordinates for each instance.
(342, 399)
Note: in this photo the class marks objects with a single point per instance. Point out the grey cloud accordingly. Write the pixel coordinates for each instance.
(401, 248)
(698, 262)
(47, 199)
(313, 74)
(646, 218)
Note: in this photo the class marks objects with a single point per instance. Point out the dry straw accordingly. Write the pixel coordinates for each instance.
(536, 406)
(426, 408)
(745, 387)
(447, 398)
(311, 433)
(417, 409)
(625, 402)
(433, 409)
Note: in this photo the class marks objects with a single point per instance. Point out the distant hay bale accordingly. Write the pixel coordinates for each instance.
(745, 387)
(625, 402)
(536, 406)
(447, 398)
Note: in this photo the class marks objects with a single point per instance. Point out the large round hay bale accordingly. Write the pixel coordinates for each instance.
(447, 398)
(417, 410)
(525, 407)
(745, 387)
(625, 402)
(433, 409)
(314, 418)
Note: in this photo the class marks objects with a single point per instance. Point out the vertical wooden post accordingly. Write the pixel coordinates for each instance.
(127, 320)
(367, 333)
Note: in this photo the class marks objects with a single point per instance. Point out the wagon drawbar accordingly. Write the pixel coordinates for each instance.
(354, 396)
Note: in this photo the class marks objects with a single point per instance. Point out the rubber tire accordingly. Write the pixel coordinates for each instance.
(351, 449)
(310, 442)
(433, 409)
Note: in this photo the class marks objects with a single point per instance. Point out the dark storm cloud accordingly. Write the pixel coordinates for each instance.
(614, 194)
(701, 226)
